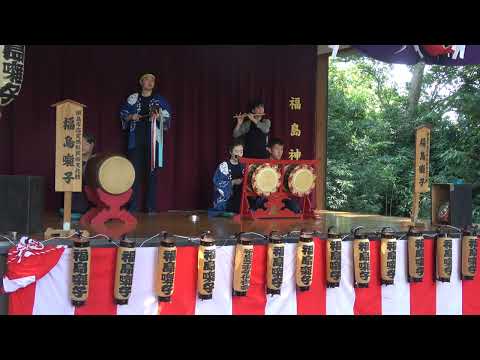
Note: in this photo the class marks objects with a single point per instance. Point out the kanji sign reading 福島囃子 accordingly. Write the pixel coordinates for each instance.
(388, 258)
(305, 260)
(422, 159)
(443, 264)
(361, 262)
(333, 261)
(242, 267)
(469, 255)
(166, 263)
(206, 267)
(12, 63)
(68, 155)
(125, 266)
(416, 257)
(275, 262)
(80, 272)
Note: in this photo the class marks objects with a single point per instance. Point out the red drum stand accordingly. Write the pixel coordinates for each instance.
(108, 207)
(275, 208)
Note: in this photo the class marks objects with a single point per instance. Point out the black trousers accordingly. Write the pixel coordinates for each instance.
(140, 158)
(233, 204)
(259, 203)
(80, 204)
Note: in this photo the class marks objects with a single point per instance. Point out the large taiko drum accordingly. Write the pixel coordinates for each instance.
(299, 180)
(112, 173)
(263, 179)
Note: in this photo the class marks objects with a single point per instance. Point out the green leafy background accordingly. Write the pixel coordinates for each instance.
(371, 141)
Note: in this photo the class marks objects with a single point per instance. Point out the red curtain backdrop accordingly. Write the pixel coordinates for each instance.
(205, 85)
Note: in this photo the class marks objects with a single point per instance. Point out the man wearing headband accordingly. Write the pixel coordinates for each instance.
(145, 115)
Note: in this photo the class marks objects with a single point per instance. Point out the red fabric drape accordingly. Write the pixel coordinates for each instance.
(205, 85)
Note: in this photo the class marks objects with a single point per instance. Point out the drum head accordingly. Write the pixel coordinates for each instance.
(116, 175)
(302, 181)
(265, 180)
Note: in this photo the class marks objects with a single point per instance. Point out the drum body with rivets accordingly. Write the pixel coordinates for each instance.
(299, 180)
(263, 179)
(112, 173)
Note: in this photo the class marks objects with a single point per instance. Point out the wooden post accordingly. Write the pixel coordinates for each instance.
(321, 120)
(415, 206)
(68, 153)
(422, 166)
(67, 209)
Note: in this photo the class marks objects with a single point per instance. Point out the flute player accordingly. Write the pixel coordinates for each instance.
(254, 129)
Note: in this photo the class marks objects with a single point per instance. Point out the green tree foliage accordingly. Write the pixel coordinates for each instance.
(371, 139)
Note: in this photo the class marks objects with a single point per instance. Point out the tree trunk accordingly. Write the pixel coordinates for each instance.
(386, 204)
(413, 98)
(415, 90)
(391, 200)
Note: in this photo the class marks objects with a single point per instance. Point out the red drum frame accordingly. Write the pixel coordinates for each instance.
(274, 203)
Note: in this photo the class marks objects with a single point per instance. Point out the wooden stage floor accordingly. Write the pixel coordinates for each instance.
(181, 223)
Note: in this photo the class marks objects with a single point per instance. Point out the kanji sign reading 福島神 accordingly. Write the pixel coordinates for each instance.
(68, 154)
(294, 154)
(295, 130)
(422, 159)
(12, 63)
(295, 104)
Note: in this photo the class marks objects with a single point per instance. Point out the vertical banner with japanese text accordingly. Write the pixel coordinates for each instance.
(295, 105)
(12, 63)
(68, 153)
(422, 159)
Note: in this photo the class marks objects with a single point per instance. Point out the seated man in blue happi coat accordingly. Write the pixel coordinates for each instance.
(227, 182)
(137, 115)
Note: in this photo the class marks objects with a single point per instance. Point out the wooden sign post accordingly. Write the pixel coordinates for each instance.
(422, 166)
(68, 153)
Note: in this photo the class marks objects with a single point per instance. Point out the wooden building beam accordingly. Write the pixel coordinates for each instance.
(321, 121)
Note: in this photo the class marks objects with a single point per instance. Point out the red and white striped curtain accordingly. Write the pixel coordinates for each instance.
(51, 293)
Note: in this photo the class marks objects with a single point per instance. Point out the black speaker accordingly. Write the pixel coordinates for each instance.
(460, 204)
(21, 203)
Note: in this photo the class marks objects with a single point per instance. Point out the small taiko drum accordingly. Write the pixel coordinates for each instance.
(299, 180)
(112, 173)
(263, 179)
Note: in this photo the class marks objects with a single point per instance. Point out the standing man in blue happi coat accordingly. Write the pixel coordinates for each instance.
(145, 115)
